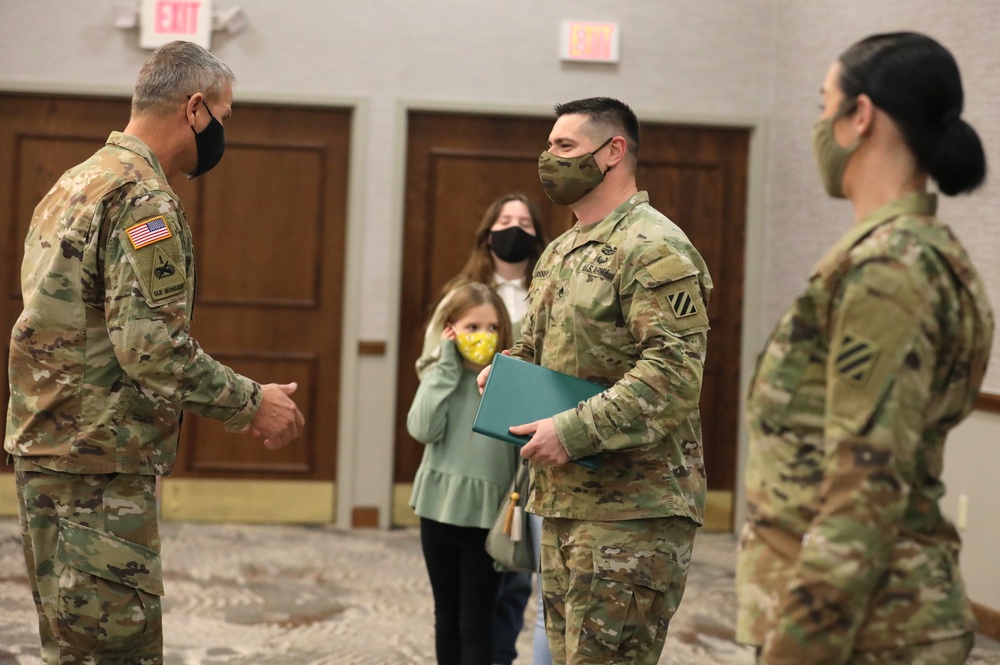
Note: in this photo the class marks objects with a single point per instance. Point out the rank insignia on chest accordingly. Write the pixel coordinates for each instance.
(148, 231)
(683, 304)
(855, 358)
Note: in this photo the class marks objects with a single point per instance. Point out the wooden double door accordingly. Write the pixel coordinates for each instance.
(269, 225)
(457, 164)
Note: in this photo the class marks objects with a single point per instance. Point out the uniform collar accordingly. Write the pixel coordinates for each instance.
(916, 203)
(601, 231)
(134, 144)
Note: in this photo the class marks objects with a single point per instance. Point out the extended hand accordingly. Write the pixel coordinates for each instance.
(278, 420)
(485, 374)
(544, 447)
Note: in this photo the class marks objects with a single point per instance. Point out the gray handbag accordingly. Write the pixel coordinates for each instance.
(509, 541)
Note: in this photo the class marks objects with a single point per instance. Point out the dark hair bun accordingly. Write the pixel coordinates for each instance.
(958, 162)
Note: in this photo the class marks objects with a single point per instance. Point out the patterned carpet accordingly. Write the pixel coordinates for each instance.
(321, 596)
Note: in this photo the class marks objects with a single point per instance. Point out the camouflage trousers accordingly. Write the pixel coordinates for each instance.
(609, 589)
(944, 652)
(91, 547)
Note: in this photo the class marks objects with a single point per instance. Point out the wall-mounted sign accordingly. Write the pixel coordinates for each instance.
(163, 21)
(583, 41)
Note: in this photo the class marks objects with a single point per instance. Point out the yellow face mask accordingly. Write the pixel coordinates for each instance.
(478, 347)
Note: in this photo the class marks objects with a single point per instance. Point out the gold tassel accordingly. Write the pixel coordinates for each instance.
(509, 517)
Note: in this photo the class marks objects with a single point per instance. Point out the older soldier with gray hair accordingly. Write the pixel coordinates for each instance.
(619, 299)
(102, 363)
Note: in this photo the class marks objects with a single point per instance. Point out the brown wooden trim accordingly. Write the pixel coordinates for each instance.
(989, 620)
(988, 402)
(371, 347)
(364, 517)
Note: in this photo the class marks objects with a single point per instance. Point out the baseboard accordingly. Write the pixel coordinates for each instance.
(989, 620)
(8, 495)
(402, 514)
(261, 501)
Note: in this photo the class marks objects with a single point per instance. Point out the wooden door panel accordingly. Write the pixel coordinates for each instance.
(36, 146)
(269, 224)
(236, 454)
(453, 230)
(270, 229)
(457, 164)
(234, 265)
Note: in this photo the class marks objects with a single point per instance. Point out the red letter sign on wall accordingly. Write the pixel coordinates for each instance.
(583, 41)
(164, 21)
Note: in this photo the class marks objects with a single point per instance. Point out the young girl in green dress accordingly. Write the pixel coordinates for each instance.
(463, 476)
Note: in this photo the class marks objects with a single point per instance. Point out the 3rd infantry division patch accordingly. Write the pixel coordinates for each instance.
(856, 358)
(683, 304)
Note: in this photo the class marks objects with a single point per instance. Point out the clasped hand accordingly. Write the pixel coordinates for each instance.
(278, 420)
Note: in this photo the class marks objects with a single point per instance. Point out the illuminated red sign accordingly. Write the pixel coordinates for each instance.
(585, 41)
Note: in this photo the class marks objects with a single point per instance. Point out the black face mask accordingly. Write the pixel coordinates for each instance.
(512, 245)
(210, 142)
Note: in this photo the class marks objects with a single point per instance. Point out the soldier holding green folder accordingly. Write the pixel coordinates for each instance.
(620, 299)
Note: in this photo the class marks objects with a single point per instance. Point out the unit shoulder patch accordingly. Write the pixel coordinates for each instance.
(855, 358)
(156, 255)
(683, 304)
(166, 278)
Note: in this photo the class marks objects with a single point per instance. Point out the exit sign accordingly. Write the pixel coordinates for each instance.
(164, 21)
(584, 41)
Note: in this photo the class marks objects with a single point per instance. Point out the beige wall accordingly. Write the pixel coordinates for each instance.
(753, 62)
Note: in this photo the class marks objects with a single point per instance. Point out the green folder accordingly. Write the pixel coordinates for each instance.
(518, 392)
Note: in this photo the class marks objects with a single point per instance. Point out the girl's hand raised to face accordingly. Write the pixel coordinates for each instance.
(448, 332)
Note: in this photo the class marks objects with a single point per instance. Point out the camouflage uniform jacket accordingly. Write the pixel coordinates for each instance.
(845, 546)
(101, 359)
(622, 303)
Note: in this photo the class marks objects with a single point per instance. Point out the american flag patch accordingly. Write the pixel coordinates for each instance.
(148, 232)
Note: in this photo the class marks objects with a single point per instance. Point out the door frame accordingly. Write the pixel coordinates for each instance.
(754, 329)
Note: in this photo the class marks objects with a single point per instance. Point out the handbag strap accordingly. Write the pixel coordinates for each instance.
(522, 481)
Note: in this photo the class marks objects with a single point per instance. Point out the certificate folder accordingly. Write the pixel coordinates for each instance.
(518, 392)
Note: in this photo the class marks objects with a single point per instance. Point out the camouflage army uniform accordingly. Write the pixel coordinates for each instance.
(621, 302)
(101, 365)
(845, 556)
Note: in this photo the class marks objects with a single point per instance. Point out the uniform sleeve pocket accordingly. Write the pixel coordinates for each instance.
(672, 282)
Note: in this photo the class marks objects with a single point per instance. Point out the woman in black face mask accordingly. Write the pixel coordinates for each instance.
(509, 241)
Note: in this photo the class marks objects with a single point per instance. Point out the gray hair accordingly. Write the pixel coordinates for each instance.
(174, 72)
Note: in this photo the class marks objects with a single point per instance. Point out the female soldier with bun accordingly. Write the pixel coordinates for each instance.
(845, 556)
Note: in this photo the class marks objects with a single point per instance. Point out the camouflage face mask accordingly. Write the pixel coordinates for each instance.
(831, 158)
(568, 179)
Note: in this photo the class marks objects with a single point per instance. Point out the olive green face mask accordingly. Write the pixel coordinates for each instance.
(831, 158)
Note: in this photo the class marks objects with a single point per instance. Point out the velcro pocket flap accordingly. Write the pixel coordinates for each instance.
(663, 269)
(634, 568)
(109, 557)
